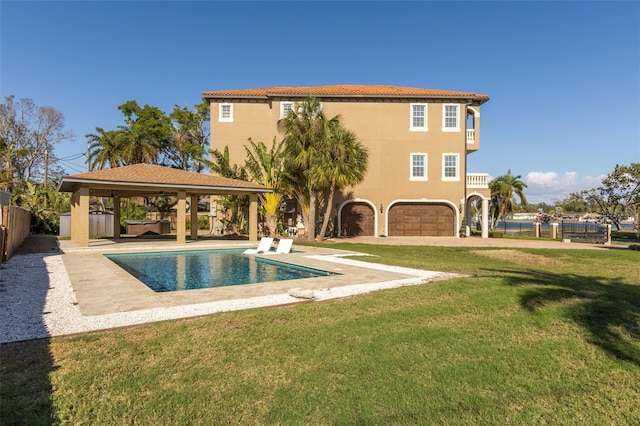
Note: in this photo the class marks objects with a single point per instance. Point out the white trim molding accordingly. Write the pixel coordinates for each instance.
(425, 158)
(476, 113)
(446, 178)
(283, 114)
(225, 113)
(450, 107)
(412, 116)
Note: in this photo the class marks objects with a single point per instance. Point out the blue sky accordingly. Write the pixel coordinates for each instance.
(563, 77)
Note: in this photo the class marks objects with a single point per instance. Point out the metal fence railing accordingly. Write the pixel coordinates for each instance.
(584, 232)
(564, 230)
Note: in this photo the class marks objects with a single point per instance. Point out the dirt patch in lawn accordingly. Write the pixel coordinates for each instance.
(521, 257)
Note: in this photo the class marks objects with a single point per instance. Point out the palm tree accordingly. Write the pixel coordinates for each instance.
(138, 147)
(263, 166)
(304, 130)
(147, 131)
(105, 148)
(503, 190)
(341, 162)
(237, 206)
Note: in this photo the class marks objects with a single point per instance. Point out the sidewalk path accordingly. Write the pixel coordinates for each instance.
(472, 242)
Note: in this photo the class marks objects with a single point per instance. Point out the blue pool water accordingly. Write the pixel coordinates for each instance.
(189, 270)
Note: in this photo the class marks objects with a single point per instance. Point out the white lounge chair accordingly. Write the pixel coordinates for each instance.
(263, 247)
(284, 247)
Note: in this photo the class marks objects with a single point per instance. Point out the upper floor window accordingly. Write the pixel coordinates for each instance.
(450, 118)
(451, 167)
(418, 166)
(285, 107)
(226, 112)
(418, 118)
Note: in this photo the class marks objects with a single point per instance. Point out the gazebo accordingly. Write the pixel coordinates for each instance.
(140, 180)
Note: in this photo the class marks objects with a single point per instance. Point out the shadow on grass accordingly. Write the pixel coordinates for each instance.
(25, 357)
(608, 309)
(26, 389)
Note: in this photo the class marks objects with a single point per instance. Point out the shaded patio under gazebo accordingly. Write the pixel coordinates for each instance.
(140, 180)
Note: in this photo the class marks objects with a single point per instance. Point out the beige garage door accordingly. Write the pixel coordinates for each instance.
(421, 220)
(359, 220)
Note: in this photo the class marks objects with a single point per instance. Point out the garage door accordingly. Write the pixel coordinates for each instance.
(359, 220)
(423, 220)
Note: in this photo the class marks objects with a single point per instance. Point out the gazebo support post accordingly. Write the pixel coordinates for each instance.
(116, 217)
(181, 223)
(194, 217)
(80, 216)
(253, 217)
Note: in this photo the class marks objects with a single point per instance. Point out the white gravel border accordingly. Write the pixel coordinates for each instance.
(25, 280)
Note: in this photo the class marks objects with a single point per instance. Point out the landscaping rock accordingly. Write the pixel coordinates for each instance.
(302, 294)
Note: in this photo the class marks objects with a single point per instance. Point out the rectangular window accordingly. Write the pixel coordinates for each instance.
(418, 118)
(285, 107)
(450, 167)
(418, 166)
(450, 118)
(226, 112)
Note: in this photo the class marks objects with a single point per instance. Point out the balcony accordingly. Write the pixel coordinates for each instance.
(471, 136)
(478, 180)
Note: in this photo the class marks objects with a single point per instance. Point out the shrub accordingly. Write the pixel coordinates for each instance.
(635, 247)
(203, 222)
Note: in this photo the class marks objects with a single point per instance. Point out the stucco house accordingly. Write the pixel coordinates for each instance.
(417, 182)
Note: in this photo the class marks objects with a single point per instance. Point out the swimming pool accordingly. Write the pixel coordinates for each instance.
(197, 269)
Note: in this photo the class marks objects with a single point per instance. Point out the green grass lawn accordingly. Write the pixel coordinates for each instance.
(528, 337)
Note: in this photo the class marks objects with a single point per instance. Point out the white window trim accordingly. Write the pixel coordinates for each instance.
(426, 118)
(282, 104)
(457, 176)
(225, 119)
(444, 118)
(426, 168)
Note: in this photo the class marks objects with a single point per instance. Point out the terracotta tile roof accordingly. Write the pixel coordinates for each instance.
(345, 91)
(154, 175)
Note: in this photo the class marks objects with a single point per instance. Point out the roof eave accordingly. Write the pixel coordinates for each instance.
(68, 185)
(209, 97)
(476, 98)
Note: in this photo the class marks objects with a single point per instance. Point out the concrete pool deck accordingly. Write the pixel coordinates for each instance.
(102, 287)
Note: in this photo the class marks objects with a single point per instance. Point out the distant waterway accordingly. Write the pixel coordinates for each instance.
(513, 225)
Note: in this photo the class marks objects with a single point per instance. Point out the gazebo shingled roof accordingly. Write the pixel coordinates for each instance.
(147, 176)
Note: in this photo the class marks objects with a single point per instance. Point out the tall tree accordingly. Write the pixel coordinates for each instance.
(190, 137)
(304, 128)
(341, 162)
(29, 133)
(503, 191)
(146, 132)
(263, 165)
(619, 195)
(574, 202)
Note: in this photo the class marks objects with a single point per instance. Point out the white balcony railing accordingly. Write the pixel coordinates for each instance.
(477, 180)
(471, 136)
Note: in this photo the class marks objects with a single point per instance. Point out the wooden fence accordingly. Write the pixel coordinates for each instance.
(16, 223)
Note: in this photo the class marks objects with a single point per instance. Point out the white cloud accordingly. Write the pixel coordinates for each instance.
(550, 186)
